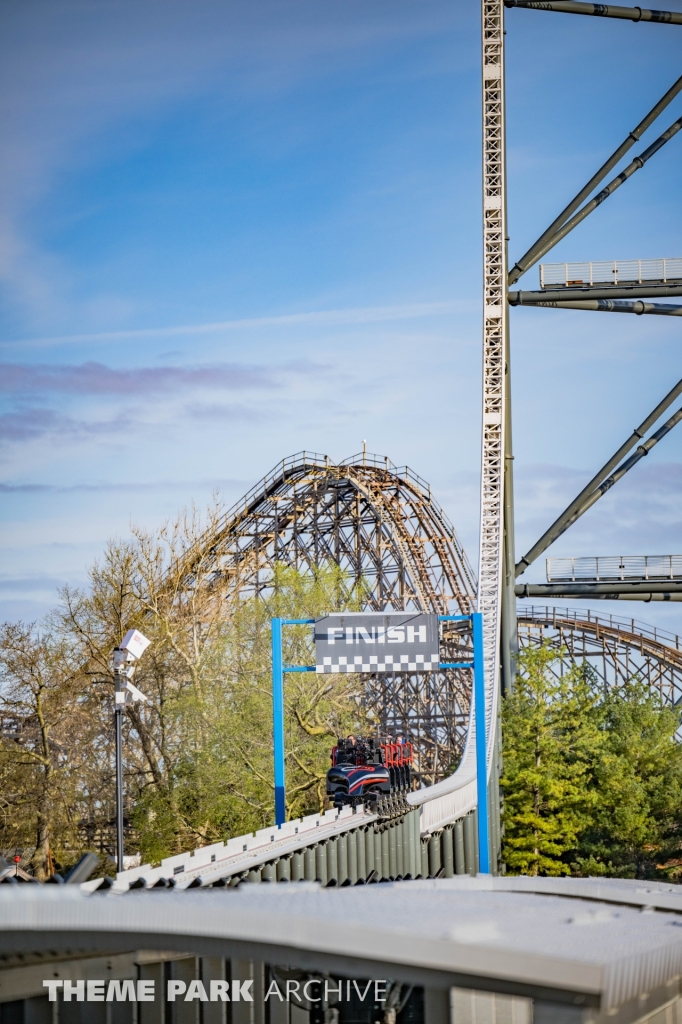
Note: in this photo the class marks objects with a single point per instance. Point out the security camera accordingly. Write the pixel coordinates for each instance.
(126, 655)
(134, 643)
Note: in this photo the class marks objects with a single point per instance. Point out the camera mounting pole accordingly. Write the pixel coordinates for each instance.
(125, 658)
(119, 701)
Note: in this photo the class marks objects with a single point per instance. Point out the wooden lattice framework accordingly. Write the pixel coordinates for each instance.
(617, 649)
(381, 525)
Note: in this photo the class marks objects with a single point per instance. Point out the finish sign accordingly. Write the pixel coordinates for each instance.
(377, 642)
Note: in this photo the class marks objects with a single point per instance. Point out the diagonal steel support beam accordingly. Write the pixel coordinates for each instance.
(569, 515)
(612, 186)
(599, 10)
(606, 485)
(531, 256)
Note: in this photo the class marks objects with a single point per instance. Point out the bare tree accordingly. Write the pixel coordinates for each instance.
(46, 731)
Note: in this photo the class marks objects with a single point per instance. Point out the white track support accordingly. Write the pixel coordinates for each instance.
(456, 796)
(494, 347)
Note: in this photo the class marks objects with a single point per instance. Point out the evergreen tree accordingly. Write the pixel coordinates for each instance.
(550, 745)
(592, 779)
(635, 826)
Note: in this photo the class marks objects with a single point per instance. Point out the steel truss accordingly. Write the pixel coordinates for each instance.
(456, 795)
(397, 550)
(616, 649)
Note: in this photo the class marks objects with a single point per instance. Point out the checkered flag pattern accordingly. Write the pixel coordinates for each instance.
(385, 663)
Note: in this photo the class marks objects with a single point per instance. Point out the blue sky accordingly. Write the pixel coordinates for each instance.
(233, 231)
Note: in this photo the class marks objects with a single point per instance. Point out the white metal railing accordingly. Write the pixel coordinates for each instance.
(614, 567)
(574, 275)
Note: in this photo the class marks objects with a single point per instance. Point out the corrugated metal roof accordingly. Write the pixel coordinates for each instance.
(598, 939)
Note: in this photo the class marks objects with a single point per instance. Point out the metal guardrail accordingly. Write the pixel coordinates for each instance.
(615, 272)
(614, 568)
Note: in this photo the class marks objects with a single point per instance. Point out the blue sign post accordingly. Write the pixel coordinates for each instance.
(279, 669)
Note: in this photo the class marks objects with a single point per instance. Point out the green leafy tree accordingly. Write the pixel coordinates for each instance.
(223, 783)
(198, 764)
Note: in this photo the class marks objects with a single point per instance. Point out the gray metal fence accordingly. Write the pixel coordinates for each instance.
(611, 568)
(663, 271)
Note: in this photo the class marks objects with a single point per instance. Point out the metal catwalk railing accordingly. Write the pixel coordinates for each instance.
(580, 275)
(612, 568)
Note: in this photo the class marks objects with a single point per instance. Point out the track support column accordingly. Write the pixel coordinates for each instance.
(496, 541)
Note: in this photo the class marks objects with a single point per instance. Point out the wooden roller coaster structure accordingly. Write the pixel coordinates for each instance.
(398, 550)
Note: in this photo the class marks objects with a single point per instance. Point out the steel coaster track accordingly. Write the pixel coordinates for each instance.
(347, 847)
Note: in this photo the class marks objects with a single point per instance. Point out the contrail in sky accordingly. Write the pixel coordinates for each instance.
(371, 314)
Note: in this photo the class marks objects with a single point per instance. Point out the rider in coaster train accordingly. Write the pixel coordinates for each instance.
(365, 769)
